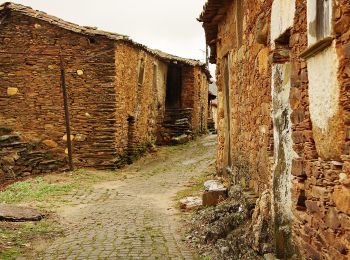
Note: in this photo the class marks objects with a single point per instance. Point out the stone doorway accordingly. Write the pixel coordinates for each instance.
(174, 87)
(227, 159)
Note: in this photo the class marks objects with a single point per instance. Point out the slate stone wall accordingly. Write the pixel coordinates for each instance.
(317, 222)
(31, 100)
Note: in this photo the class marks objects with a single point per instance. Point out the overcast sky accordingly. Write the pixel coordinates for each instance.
(168, 25)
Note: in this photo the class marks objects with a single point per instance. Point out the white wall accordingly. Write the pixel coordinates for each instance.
(282, 17)
(311, 20)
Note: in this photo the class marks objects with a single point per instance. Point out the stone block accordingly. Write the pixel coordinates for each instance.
(16, 214)
(332, 220)
(312, 206)
(190, 203)
(341, 198)
(214, 197)
(50, 143)
(12, 91)
(298, 168)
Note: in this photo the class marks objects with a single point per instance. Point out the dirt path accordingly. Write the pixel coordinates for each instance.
(135, 218)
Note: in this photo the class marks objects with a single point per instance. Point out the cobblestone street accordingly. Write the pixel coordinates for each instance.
(135, 218)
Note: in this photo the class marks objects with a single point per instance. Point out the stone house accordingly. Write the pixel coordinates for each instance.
(118, 94)
(283, 78)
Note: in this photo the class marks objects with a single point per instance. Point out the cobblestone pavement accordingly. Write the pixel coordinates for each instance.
(135, 218)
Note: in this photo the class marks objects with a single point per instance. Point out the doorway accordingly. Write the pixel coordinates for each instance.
(174, 87)
(227, 157)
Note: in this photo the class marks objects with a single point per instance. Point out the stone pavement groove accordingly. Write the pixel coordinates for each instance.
(134, 218)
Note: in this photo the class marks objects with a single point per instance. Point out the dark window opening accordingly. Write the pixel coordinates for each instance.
(284, 39)
(174, 87)
(131, 138)
(92, 40)
(141, 72)
(281, 54)
(155, 77)
(301, 201)
(322, 19)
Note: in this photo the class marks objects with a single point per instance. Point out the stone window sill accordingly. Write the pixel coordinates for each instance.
(317, 48)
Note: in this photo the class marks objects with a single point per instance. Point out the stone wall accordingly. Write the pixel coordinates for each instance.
(31, 100)
(200, 107)
(321, 194)
(308, 174)
(116, 91)
(143, 101)
(195, 87)
(249, 79)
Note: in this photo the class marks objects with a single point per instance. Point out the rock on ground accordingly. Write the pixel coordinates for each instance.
(17, 214)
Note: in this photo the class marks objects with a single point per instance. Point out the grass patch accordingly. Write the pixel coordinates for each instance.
(16, 238)
(33, 190)
(11, 253)
(53, 187)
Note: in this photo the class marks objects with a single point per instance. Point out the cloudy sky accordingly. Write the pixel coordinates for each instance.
(168, 25)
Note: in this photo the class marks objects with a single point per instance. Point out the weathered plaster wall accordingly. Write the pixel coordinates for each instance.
(283, 156)
(324, 95)
(35, 106)
(282, 17)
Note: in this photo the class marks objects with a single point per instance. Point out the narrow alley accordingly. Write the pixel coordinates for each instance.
(135, 218)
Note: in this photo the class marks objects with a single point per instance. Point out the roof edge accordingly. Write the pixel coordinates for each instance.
(93, 31)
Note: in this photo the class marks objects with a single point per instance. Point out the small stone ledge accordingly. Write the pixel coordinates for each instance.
(316, 48)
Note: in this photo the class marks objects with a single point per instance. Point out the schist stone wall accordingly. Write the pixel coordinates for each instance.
(195, 88)
(31, 96)
(116, 94)
(244, 94)
(320, 101)
(140, 87)
(283, 91)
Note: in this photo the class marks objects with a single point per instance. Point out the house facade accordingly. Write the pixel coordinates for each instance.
(117, 96)
(282, 75)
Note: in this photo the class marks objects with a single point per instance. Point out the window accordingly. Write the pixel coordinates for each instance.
(155, 77)
(319, 20)
(141, 72)
(322, 19)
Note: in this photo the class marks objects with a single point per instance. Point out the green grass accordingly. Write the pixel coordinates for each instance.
(34, 190)
(14, 240)
(11, 253)
(45, 190)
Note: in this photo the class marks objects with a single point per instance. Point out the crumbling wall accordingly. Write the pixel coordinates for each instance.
(139, 97)
(309, 188)
(31, 100)
(319, 99)
(250, 93)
